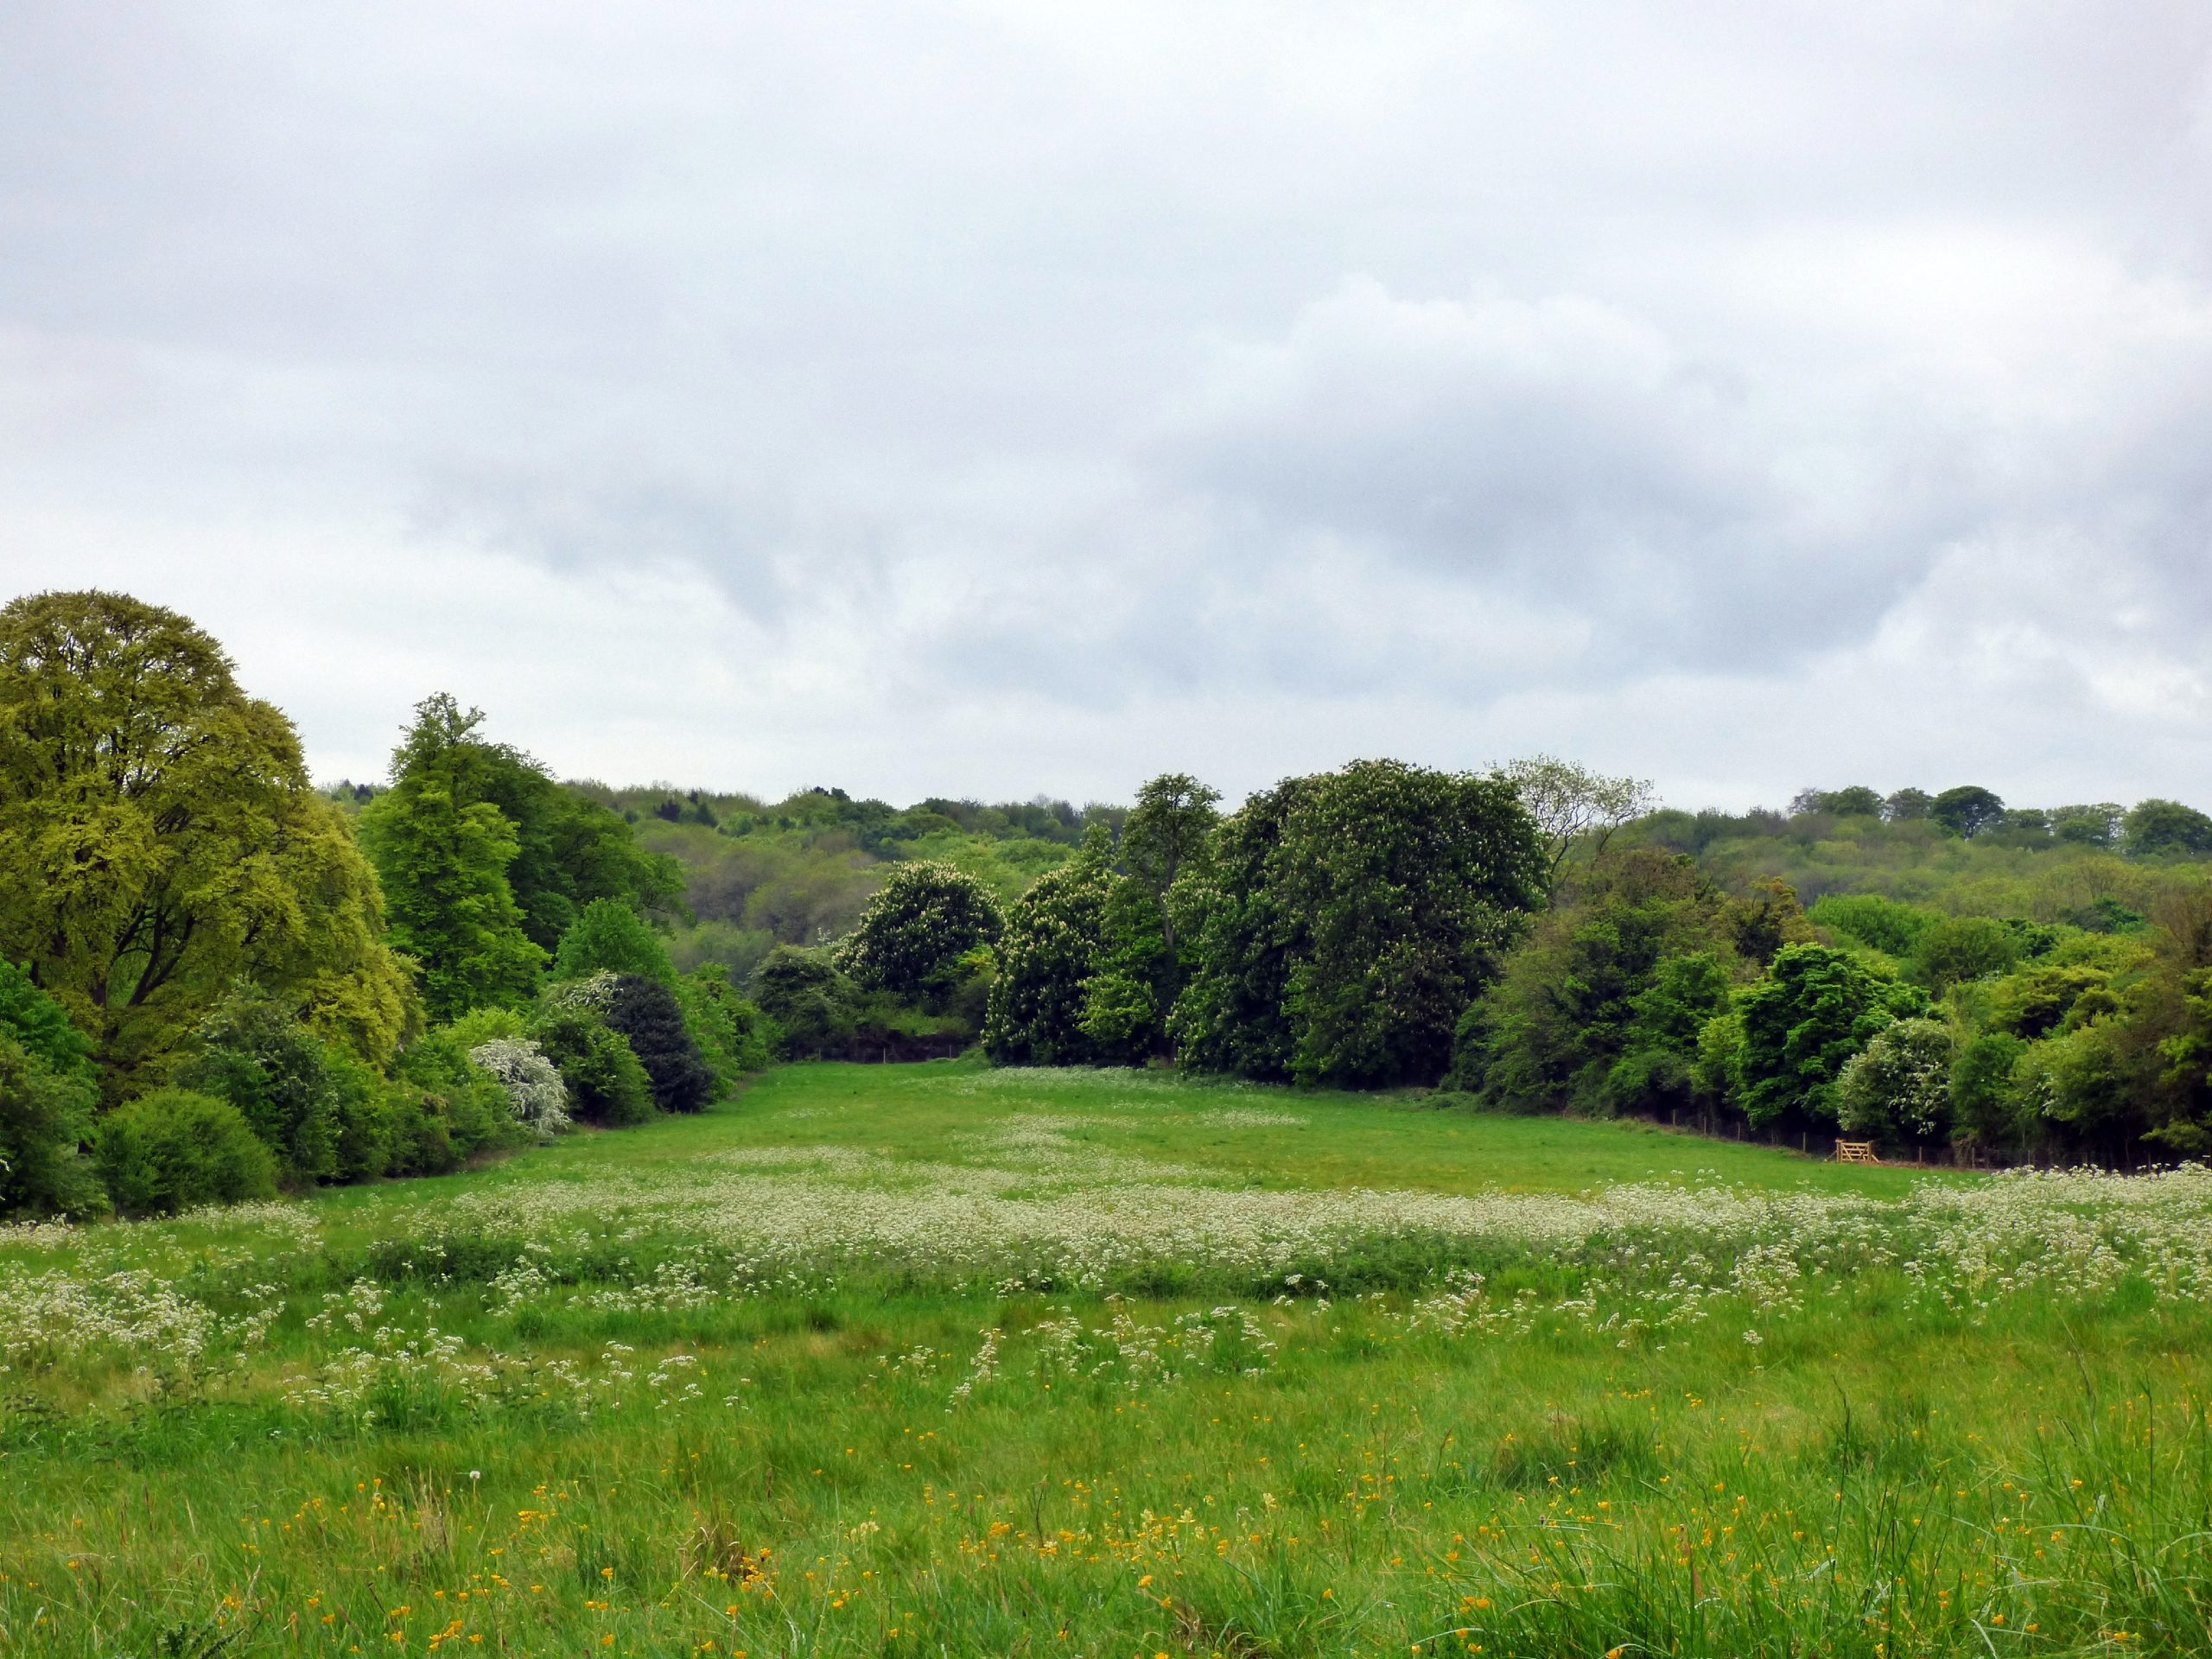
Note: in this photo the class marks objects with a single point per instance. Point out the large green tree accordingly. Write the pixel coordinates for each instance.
(443, 859)
(1815, 1008)
(922, 921)
(159, 838)
(1369, 906)
(1968, 810)
(1569, 1004)
(1053, 946)
(569, 849)
(1242, 935)
(2154, 827)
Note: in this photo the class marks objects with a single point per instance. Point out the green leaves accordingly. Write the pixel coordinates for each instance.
(1815, 1009)
(442, 862)
(913, 935)
(158, 837)
(1349, 920)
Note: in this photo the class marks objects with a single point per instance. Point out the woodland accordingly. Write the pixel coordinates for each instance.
(219, 980)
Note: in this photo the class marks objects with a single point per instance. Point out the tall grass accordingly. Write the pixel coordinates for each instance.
(640, 1401)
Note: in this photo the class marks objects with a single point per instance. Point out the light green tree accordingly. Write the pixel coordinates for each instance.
(159, 838)
(444, 862)
(611, 937)
(1570, 804)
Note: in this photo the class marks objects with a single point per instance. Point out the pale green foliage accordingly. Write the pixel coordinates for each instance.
(612, 937)
(1571, 803)
(158, 837)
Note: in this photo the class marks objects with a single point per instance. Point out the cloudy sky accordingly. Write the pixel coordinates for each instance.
(996, 398)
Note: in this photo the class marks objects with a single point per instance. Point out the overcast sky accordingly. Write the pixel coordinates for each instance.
(995, 398)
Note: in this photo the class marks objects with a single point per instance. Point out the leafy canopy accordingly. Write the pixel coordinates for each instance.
(922, 921)
(611, 937)
(443, 859)
(158, 838)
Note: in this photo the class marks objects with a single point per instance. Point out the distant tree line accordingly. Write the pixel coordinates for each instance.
(217, 981)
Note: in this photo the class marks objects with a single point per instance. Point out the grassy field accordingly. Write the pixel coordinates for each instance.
(938, 1360)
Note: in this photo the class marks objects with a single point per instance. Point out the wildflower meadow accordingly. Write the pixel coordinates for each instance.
(938, 1359)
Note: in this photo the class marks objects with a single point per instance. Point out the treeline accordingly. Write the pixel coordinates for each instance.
(1331, 931)
(1647, 989)
(212, 985)
(1537, 942)
(800, 871)
(217, 981)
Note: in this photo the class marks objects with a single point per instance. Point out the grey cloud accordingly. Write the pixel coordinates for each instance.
(1033, 387)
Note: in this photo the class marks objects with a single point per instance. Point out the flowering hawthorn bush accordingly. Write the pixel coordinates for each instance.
(535, 1093)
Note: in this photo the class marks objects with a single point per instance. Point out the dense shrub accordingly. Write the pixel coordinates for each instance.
(606, 1083)
(253, 1053)
(40, 1025)
(1985, 1103)
(44, 1117)
(1884, 924)
(442, 1109)
(915, 935)
(733, 1037)
(646, 1013)
(812, 1004)
(612, 937)
(537, 1098)
(174, 1149)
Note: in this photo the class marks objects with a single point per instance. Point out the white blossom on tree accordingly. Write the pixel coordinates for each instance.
(1569, 801)
(534, 1090)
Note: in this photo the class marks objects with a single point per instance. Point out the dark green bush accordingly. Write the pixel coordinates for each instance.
(174, 1149)
(253, 1053)
(44, 1116)
(646, 1014)
(733, 1035)
(439, 1110)
(812, 1004)
(39, 1023)
(606, 1083)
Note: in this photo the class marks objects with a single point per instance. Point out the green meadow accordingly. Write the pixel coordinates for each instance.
(943, 1359)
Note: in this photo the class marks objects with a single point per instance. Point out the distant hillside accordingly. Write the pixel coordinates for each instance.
(798, 871)
(2100, 868)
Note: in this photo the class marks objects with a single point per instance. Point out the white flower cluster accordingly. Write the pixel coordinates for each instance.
(595, 994)
(535, 1092)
